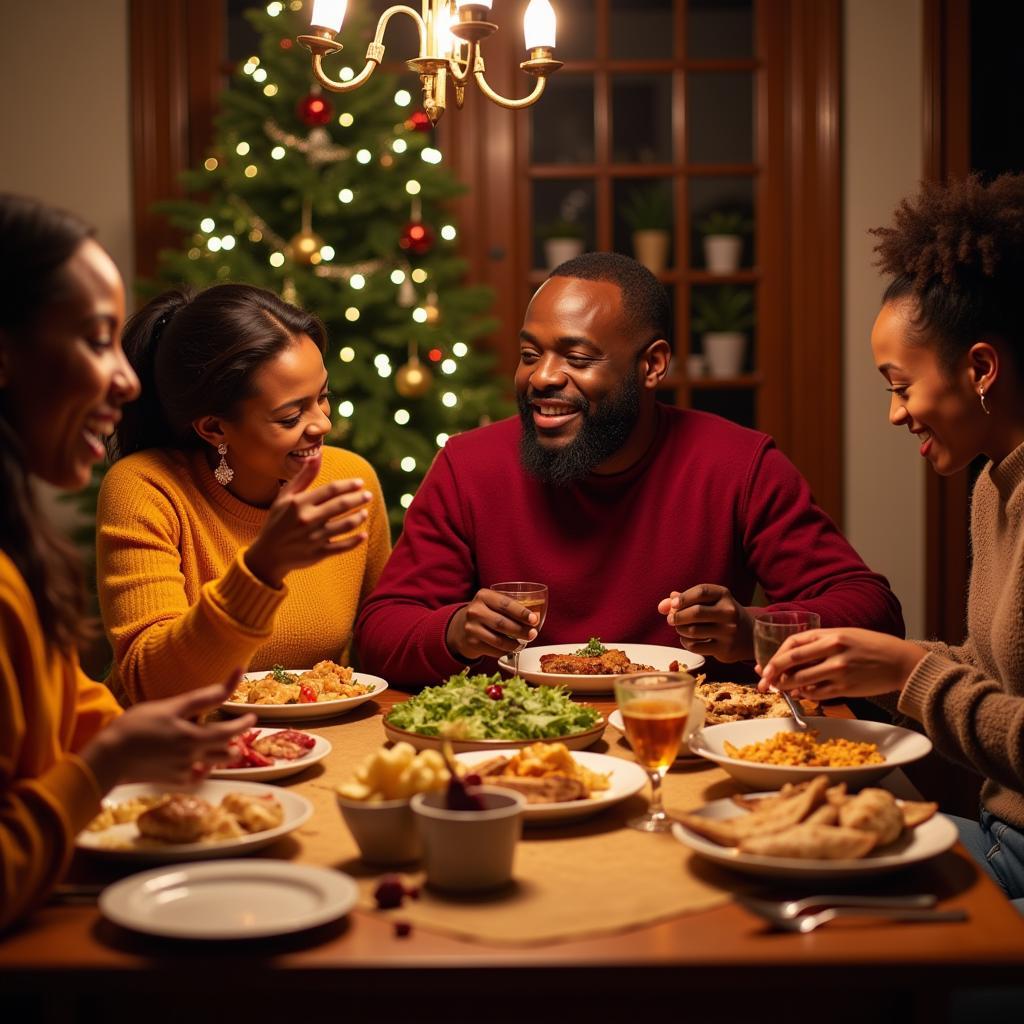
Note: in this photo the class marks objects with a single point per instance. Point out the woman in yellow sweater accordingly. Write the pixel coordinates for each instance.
(228, 532)
(63, 739)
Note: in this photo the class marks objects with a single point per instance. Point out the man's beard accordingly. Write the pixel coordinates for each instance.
(602, 433)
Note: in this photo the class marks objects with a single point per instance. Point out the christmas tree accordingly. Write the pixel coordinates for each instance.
(337, 202)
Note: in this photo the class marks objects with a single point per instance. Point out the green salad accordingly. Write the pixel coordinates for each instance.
(488, 708)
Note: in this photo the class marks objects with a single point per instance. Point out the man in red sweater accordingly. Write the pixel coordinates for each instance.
(648, 523)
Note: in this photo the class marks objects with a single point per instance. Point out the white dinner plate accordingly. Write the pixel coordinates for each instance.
(297, 810)
(685, 753)
(231, 899)
(641, 654)
(935, 836)
(321, 709)
(626, 779)
(897, 746)
(574, 741)
(282, 767)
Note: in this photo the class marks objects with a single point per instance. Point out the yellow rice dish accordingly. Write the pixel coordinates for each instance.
(800, 749)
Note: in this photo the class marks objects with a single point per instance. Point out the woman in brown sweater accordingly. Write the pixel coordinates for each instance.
(949, 341)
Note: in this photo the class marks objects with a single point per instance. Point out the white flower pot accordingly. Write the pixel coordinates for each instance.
(722, 253)
(558, 250)
(725, 352)
(651, 248)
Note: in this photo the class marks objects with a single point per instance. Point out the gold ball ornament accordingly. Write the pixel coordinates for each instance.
(305, 247)
(413, 380)
(431, 309)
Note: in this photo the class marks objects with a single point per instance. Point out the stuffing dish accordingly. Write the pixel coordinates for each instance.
(325, 681)
(802, 749)
(737, 702)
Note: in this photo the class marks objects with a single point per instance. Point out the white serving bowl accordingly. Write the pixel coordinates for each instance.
(898, 747)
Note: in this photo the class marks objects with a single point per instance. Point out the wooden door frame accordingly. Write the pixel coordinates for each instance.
(946, 138)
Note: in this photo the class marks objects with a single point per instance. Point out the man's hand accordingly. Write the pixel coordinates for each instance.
(843, 662)
(711, 622)
(490, 626)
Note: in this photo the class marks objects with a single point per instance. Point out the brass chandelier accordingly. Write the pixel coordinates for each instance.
(450, 33)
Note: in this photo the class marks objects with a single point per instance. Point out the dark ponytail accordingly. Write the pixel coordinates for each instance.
(195, 354)
(36, 241)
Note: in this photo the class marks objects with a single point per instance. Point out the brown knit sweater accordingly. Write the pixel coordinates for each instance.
(970, 698)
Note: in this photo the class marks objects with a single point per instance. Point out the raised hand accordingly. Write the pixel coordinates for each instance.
(711, 622)
(490, 626)
(303, 526)
(843, 662)
(155, 741)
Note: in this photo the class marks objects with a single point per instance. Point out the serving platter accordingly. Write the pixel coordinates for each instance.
(282, 767)
(923, 842)
(574, 741)
(642, 654)
(297, 810)
(320, 709)
(626, 778)
(229, 899)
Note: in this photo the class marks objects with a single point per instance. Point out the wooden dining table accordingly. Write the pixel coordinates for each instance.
(723, 962)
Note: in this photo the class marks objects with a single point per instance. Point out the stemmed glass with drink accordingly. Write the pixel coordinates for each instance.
(655, 708)
(771, 631)
(534, 596)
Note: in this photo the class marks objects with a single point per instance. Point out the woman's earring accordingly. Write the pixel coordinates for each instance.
(981, 395)
(224, 473)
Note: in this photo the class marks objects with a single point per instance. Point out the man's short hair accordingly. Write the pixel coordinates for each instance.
(644, 298)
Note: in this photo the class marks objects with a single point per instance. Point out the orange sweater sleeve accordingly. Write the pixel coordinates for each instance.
(162, 646)
(48, 710)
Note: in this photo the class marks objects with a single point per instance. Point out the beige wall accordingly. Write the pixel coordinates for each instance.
(882, 154)
(64, 118)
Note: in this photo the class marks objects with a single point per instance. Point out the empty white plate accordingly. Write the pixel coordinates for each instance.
(229, 899)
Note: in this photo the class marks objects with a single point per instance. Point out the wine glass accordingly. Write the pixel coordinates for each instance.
(535, 597)
(772, 628)
(655, 708)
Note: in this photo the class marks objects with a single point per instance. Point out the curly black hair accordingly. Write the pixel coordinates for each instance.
(957, 248)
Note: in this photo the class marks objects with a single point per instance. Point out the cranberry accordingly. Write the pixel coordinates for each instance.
(403, 929)
(389, 893)
(473, 779)
(495, 692)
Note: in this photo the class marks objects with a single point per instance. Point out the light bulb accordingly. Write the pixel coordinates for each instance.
(539, 25)
(328, 14)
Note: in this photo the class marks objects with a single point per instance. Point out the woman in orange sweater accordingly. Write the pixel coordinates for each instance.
(228, 532)
(63, 739)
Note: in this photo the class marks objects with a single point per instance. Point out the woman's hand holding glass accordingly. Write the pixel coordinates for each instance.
(302, 526)
(155, 741)
(841, 662)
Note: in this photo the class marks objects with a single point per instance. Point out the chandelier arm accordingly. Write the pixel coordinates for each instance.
(421, 26)
(502, 101)
(334, 86)
(461, 70)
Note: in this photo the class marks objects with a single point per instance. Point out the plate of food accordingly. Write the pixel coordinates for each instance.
(214, 818)
(229, 899)
(483, 712)
(260, 755)
(766, 753)
(558, 785)
(327, 689)
(815, 829)
(592, 667)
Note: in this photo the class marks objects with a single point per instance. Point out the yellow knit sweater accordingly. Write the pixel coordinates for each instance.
(49, 710)
(179, 605)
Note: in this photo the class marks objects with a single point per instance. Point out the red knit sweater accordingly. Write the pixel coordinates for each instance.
(711, 502)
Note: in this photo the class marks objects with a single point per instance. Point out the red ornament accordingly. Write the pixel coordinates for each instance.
(435, 355)
(418, 121)
(416, 238)
(286, 43)
(314, 111)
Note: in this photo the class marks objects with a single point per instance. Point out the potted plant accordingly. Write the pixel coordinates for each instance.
(648, 212)
(722, 316)
(563, 239)
(723, 232)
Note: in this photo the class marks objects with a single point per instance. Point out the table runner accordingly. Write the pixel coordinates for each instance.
(578, 880)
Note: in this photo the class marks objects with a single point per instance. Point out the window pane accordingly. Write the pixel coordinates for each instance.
(720, 117)
(721, 206)
(641, 29)
(563, 122)
(719, 28)
(642, 118)
(575, 37)
(644, 204)
(736, 404)
(723, 328)
(562, 210)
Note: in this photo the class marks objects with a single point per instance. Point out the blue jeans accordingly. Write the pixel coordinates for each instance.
(999, 849)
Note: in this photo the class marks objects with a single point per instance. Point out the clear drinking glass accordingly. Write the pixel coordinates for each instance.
(535, 597)
(771, 630)
(655, 707)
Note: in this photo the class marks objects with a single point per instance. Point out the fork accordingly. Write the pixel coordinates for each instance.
(789, 909)
(796, 711)
(808, 922)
